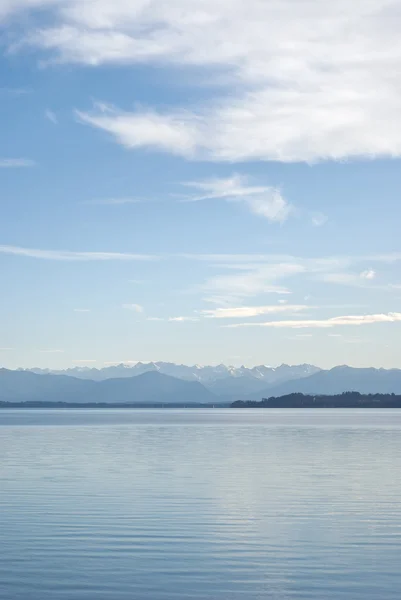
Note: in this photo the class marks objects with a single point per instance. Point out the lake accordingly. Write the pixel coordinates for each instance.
(201, 504)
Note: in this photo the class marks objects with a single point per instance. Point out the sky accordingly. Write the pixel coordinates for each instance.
(200, 182)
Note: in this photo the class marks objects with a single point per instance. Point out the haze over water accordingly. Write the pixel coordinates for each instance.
(203, 504)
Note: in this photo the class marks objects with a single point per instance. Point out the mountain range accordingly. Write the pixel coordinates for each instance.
(221, 379)
(343, 379)
(166, 383)
(147, 388)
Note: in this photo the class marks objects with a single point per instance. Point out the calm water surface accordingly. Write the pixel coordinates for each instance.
(202, 504)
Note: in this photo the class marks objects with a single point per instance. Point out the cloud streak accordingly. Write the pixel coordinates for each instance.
(362, 279)
(16, 163)
(67, 255)
(352, 320)
(182, 319)
(299, 87)
(168, 133)
(264, 201)
(252, 311)
(51, 116)
(134, 307)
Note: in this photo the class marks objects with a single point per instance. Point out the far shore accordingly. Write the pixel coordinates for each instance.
(345, 400)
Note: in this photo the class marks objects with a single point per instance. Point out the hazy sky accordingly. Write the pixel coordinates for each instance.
(200, 182)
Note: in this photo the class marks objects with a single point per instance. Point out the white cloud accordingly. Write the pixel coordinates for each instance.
(299, 86)
(247, 280)
(5, 349)
(295, 95)
(252, 311)
(246, 276)
(135, 307)
(324, 323)
(354, 279)
(122, 362)
(51, 116)
(172, 133)
(52, 351)
(319, 219)
(369, 274)
(16, 163)
(182, 319)
(328, 262)
(341, 278)
(73, 256)
(14, 91)
(264, 201)
(82, 310)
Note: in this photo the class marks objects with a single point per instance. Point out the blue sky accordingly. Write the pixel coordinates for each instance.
(200, 183)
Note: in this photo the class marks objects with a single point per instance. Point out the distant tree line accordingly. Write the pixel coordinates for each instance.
(344, 400)
(66, 405)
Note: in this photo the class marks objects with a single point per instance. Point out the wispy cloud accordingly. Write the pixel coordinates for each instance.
(51, 116)
(352, 320)
(155, 319)
(264, 201)
(319, 219)
(369, 274)
(182, 319)
(246, 276)
(248, 280)
(361, 279)
(170, 133)
(252, 311)
(52, 351)
(331, 261)
(300, 337)
(67, 255)
(16, 163)
(134, 307)
(6, 349)
(14, 91)
(121, 362)
(82, 310)
(299, 87)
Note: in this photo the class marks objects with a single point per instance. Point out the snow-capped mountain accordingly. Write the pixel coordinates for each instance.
(221, 379)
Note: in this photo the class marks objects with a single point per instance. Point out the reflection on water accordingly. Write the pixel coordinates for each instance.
(203, 504)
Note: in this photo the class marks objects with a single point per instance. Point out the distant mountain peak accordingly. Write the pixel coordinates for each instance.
(227, 382)
(221, 379)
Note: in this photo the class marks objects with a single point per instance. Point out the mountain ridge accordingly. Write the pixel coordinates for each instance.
(342, 379)
(25, 386)
(220, 384)
(208, 375)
